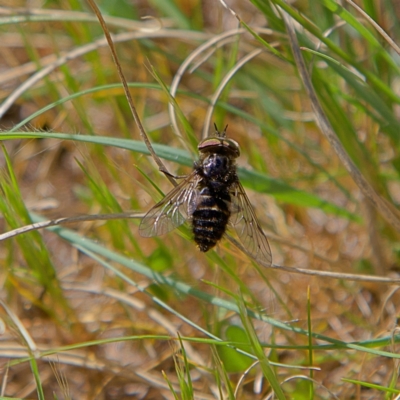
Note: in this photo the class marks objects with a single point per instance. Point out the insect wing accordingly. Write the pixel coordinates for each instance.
(244, 220)
(172, 210)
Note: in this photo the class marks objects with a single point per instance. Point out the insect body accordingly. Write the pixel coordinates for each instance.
(211, 197)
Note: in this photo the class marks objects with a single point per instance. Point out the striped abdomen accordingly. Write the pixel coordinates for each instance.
(210, 218)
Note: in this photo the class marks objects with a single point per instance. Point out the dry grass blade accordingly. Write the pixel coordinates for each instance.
(241, 381)
(186, 63)
(222, 85)
(4, 381)
(147, 24)
(379, 29)
(325, 274)
(11, 99)
(51, 62)
(138, 122)
(307, 378)
(107, 217)
(61, 379)
(386, 209)
(21, 328)
(67, 220)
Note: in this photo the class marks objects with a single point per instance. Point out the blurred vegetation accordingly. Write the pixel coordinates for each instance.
(92, 310)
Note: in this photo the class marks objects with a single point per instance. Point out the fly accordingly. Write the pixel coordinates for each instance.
(211, 198)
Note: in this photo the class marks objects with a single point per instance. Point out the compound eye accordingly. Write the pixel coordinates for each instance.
(209, 143)
(233, 147)
(214, 144)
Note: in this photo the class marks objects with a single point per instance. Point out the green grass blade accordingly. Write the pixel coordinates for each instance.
(251, 179)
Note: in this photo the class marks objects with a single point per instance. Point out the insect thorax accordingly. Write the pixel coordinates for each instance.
(218, 171)
(217, 164)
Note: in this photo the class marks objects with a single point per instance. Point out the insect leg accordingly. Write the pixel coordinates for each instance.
(167, 173)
